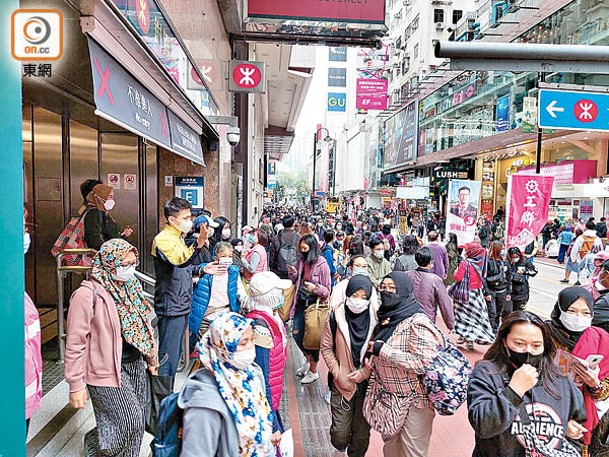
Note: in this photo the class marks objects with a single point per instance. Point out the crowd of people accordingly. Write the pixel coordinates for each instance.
(353, 295)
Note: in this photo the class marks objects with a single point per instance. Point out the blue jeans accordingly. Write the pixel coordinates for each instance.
(171, 335)
(562, 250)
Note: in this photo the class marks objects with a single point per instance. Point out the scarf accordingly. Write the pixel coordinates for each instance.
(563, 337)
(389, 317)
(475, 255)
(98, 196)
(134, 311)
(242, 390)
(358, 324)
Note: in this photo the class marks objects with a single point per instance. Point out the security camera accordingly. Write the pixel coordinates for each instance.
(233, 135)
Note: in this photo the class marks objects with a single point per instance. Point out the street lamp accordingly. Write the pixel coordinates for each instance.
(316, 137)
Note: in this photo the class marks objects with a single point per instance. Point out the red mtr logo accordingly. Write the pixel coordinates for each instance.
(585, 111)
(247, 76)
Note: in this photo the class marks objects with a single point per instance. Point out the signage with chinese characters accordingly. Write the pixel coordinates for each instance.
(528, 204)
(371, 94)
(192, 189)
(185, 140)
(271, 175)
(246, 77)
(529, 114)
(337, 77)
(463, 199)
(573, 110)
(337, 102)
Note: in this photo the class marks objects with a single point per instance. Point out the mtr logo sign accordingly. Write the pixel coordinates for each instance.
(37, 34)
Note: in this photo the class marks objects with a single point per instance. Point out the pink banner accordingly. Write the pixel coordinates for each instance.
(528, 204)
(371, 93)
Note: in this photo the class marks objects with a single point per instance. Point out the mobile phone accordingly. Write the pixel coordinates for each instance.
(593, 360)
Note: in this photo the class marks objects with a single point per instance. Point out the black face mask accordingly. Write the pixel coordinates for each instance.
(354, 251)
(520, 358)
(390, 299)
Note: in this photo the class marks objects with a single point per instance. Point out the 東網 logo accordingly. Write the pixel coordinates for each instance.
(37, 34)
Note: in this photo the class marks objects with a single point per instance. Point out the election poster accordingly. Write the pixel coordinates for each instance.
(463, 201)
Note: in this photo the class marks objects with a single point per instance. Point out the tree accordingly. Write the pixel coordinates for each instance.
(292, 185)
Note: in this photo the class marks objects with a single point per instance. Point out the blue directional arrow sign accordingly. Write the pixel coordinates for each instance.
(573, 110)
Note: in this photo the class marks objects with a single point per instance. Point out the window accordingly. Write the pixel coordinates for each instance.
(457, 15)
(438, 15)
(415, 51)
(405, 65)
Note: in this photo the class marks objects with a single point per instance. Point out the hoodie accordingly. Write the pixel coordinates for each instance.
(209, 428)
(494, 412)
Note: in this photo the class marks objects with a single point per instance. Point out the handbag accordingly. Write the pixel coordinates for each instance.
(288, 302)
(446, 379)
(315, 317)
(385, 411)
(72, 237)
(305, 295)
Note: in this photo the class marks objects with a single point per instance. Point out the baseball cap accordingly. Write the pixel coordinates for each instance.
(265, 281)
(247, 229)
(205, 219)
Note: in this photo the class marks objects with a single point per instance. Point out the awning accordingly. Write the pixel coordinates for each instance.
(121, 99)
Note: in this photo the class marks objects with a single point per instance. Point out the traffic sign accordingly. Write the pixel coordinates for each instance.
(573, 110)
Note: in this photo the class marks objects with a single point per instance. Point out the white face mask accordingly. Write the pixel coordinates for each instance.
(378, 254)
(238, 248)
(27, 241)
(109, 204)
(226, 261)
(243, 359)
(184, 226)
(124, 274)
(357, 305)
(226, 234)
(360, 271)
(575, 323)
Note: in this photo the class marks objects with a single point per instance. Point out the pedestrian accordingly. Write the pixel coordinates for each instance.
(99, 225)
(429, 289)
(215, 294)
(601, 229)
(546, 233)
(472, 323)
(583, 245)
(406, 261)
(442, 227)
(440, 255)
(255, 259)
(344, 344)
(405, 342)
(498, 285)
(226, 412)
(484, 232)
(357, 265)
(221, 233)
(270, 339)
(452, 250)
(587, 266)
(520, 270)
(356, 248)
(378, 265)
(327, 251)
(389, 241)
(565, 238)
(515, 386)
(175, 264)
(594, 286)
(530, 251)
(572, 262)
(572, 331)
(311, 276)
(237, 244)
(109, 341)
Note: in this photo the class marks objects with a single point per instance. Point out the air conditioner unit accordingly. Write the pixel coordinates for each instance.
(439, 25)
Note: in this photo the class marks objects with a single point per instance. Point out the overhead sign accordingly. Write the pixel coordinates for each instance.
(573, 110)
(246, 77)
(192, 189)
(185, 140)
(371, 94)
(337, 102)
(368, 11)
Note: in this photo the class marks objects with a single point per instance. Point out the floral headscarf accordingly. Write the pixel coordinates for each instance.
(134, 311)
(242, 390)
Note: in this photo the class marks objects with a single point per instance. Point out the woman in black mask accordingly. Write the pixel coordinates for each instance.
(518, 384)
(405, 343)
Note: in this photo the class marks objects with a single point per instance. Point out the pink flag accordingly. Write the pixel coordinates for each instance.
(528, 204)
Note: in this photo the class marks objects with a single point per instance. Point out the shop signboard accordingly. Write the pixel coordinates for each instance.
(371, 94)
(573, 110)
(192, 189)
(503, 114)
(337, 54)
(529, 116)
(245, 76)
(185, 140)
(337, 77)
(463, 198)
(337, 102)
(450, 173)
(367, 12)
(528, 204)
(487, 201)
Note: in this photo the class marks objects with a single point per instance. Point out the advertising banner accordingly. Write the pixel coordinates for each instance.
(463, 198)
(529, 115)
(372, 94)
(401, 137)
(503, 114)
(370, 11)
(528, 202)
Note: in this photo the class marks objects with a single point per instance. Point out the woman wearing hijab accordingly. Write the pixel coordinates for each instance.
(226, 413)
(572, 331)
(518, 376)
(99, 225)
(405, 342)
(109, 336)
(472, 323)
(344, 343)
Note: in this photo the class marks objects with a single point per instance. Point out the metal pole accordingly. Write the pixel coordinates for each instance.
(314, 165)
(540, 78)
(334, 169)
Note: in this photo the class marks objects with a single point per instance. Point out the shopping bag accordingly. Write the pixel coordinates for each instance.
(286, 447)
(315, 317)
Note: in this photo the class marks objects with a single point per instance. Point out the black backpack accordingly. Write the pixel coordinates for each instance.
(287, 255)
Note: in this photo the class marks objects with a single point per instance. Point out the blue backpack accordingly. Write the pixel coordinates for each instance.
(168, 438)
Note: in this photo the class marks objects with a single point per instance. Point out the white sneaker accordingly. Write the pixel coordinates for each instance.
(303, 370)
(310, 377)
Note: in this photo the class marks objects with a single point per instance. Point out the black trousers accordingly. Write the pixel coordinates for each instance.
(498, 308)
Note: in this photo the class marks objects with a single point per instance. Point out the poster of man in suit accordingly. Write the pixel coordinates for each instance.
(463, 197)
